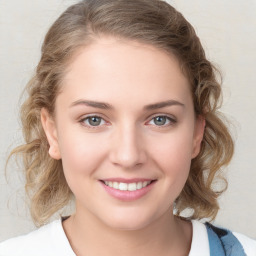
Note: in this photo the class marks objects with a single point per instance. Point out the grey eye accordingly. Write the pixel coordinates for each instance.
(94, 120)
(160, 120)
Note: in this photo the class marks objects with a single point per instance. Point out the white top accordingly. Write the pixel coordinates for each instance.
(51, 240)
(200, 244)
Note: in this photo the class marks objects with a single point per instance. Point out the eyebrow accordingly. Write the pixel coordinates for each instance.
(107, 106)
(163, 104)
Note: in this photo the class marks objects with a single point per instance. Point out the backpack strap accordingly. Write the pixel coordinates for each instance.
(222, 242)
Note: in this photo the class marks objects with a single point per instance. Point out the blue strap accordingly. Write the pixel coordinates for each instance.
(223, 243)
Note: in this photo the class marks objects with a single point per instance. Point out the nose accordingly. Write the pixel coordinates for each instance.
(127, 149)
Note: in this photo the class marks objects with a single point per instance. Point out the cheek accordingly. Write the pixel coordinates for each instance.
(81, 153)
(174, 152)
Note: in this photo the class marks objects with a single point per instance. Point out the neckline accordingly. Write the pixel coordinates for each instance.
(200, 243)
(64, 243)
(199, 239)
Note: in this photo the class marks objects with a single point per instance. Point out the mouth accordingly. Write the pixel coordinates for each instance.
(127, 189)
(124, 186)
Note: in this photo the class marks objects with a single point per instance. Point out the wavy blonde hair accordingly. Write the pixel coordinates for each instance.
(151, 22)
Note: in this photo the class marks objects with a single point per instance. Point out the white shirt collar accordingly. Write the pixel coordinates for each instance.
(200, 243)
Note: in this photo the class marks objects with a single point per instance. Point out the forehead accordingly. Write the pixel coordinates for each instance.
(114, 69)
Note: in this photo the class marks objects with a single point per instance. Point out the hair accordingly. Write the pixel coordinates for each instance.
(152, 22)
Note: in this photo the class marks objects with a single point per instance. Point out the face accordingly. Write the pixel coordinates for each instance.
(126, 132)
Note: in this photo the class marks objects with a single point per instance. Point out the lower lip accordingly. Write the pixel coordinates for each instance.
(128, 195)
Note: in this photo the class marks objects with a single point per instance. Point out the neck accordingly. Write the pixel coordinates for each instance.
(168, 235)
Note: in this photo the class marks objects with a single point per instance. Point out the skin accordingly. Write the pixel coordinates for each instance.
(127, 142)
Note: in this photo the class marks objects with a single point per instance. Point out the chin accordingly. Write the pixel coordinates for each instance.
(128, 221)
(127, 225)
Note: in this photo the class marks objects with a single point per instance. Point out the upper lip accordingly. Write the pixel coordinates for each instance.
(124, 180)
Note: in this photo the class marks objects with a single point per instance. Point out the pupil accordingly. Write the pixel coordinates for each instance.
(94, 121)
(160, 120)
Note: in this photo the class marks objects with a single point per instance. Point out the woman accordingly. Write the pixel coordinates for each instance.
(122, 116)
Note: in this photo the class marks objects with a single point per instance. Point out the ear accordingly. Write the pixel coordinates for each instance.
(198, 135)
(51, 134)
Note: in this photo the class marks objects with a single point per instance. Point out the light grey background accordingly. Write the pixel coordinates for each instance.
(227, 31)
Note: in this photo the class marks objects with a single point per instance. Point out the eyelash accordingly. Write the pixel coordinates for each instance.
(171, 120)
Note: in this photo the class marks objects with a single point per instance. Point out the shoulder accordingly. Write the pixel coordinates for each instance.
(209, 239)
(248, 243)
(47, 240)
(231, 242)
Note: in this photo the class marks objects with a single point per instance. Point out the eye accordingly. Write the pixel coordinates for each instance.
(162, 120)
(92, 121)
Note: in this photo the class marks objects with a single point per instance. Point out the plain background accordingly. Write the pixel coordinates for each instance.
(227, 31)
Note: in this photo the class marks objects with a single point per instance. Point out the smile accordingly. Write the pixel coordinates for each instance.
(127, 190)
(127, 186)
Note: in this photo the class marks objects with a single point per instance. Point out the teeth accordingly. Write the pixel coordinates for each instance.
(115, 185)
(144, 184)
(127, 186)
(139, 185)
(123, 186)
(132, 186)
